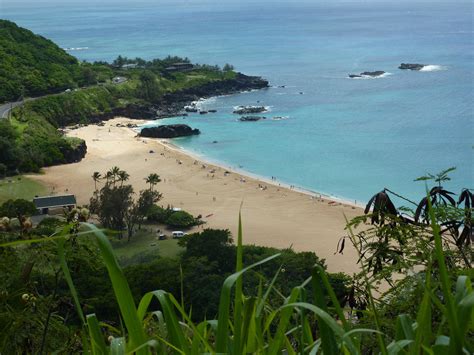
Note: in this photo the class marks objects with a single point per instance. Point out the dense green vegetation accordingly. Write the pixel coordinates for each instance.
(31, 65)
(73, 92)
(217, 296)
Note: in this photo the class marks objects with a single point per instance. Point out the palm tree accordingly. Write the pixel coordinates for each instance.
(152, 179)
(113, 173)
(96, 177)
(122, 176)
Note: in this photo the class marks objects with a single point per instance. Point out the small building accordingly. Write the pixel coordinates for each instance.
(130, 66)
(180, 67)
(119, 80)
(45, 203)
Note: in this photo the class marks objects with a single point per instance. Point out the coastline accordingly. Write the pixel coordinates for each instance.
(272, 215)
(282, 184)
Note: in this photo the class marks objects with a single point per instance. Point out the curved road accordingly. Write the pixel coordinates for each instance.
(5, 108)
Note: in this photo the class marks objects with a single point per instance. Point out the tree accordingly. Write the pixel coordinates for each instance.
(145, 202)
(181, 219)
(152, 179)
(111, 204)
(122, 176)
(17, 209)
(148, 88)
(96, 176)
(228, 67)
(113, 174)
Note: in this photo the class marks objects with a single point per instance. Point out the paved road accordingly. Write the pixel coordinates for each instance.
(5, 108)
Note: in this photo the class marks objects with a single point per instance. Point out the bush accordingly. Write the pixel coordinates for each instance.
(17, 208)
(158, 214)
(181, 219)
(48, 226)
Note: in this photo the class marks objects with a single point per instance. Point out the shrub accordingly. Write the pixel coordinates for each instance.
(17, 208)
(158, 214)
(181, 219)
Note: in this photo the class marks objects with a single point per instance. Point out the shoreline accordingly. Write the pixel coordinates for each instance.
(281, 184)
(273, 216)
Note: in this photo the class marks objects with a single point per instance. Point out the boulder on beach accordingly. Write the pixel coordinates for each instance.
(169, 131)
(409, 66)
(243, 110)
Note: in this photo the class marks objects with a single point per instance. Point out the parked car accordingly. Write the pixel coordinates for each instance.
(178, 234)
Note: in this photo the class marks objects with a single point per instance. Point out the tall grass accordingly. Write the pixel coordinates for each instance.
(250, 325)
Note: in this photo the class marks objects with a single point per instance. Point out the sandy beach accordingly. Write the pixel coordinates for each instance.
(272, 215)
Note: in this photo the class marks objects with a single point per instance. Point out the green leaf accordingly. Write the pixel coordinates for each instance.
(224, 305)
(97, 339)
(124, 297)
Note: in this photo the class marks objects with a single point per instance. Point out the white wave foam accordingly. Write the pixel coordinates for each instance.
(368, 77)
(76, 49)
(432, 67)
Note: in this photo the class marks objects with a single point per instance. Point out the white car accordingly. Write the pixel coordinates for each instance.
(178, 234)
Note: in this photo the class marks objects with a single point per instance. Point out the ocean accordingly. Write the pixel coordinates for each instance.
(348, 138)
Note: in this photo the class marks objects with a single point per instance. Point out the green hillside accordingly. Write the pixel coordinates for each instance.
(32, 65)
(73, 92)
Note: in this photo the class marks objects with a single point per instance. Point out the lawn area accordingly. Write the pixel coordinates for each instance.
(20, 187)
(145, 244)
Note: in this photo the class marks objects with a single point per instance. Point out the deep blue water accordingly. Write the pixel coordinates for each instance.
(348, 138)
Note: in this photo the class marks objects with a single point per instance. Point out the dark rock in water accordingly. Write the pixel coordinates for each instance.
(169, 131)
(202, 112)
(411, 66)
(242, 110)
(373, 73)
(214, 142)
(212, 111)
(251, 118)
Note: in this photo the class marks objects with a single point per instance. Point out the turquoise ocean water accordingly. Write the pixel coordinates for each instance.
(348, 138)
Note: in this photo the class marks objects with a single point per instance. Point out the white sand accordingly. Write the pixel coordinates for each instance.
(276, 216)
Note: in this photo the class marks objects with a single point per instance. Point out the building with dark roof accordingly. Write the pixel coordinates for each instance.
(180, 67)
(45, 203)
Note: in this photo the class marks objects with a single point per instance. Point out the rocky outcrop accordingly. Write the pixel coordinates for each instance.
(176, 101)
(373, 74)
(409, 66)
(75, 153)
(244, 110)
(251, 118)
(134, 111)
(169, 131)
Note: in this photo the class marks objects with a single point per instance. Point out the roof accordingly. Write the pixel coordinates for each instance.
(54, 201)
